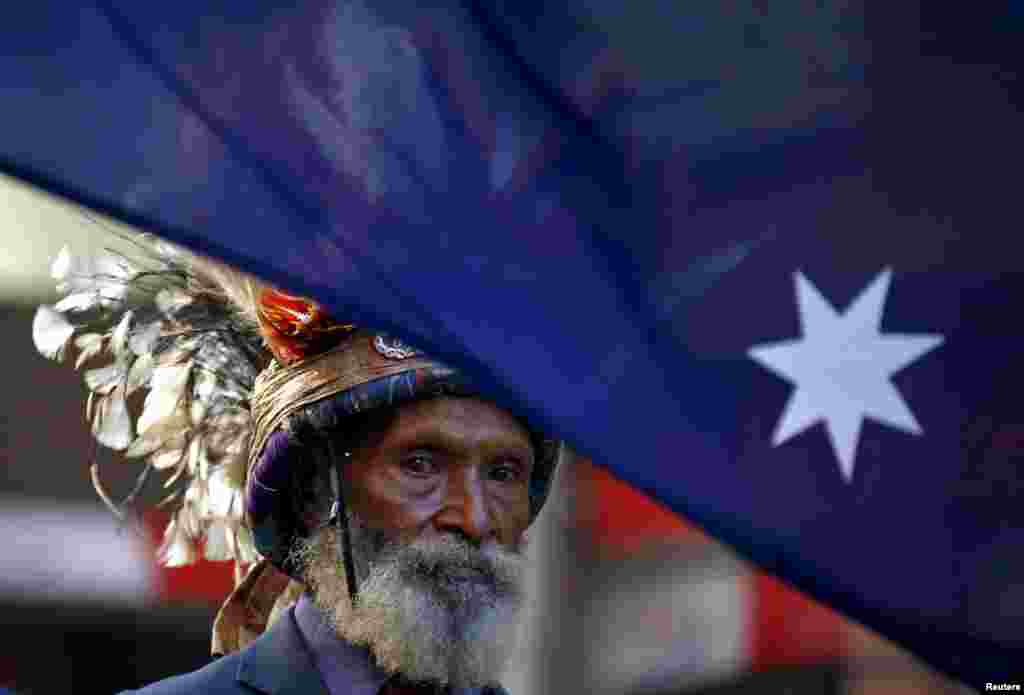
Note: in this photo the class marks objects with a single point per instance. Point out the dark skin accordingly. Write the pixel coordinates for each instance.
(445, 466)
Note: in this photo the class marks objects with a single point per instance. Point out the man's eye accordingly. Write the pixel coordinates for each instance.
(506, 473)
(418, 464)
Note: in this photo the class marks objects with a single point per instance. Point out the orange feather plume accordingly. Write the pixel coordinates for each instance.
(295, 327)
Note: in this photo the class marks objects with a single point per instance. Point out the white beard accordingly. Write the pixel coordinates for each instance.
(413, 611)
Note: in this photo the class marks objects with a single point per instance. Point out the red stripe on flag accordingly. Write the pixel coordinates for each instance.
(619, 518)
(787, 627)
(790, 628)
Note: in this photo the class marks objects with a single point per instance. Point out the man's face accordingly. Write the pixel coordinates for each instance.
(438, 503)
(458, 466)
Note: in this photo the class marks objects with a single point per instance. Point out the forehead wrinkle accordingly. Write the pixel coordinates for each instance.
(437, 434)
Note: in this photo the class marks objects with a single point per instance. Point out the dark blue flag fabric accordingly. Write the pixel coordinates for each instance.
(759, 261)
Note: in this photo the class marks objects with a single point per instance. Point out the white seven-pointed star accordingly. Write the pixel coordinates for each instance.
(841, 368)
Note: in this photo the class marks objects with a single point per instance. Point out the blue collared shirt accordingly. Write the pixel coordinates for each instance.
(345, 668)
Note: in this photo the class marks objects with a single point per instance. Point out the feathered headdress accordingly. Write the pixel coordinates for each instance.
(226, 361)
(187, 331)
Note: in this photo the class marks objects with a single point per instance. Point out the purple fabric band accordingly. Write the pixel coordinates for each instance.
(269, 477)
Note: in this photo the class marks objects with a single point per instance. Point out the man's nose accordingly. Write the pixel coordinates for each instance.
(466, 511)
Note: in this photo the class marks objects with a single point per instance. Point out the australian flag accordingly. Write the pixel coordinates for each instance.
(761, 263)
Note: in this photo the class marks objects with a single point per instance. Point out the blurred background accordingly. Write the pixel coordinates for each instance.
(643, 602)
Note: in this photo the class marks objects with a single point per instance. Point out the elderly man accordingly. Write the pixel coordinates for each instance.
(394, 497)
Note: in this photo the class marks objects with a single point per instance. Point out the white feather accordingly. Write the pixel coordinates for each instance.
(169, 300)
(198, 462)
(218, 546)
(166, 458)
(103, 380)
(113, 266)
(171, 442)
(177, 548)
(162, 248)
(167, 427)
(229, 431)
(80, 301)
(220, 496)
(171, 377)
(142, 446)
(193, 456)
(73, 273)
(205, 385)
(245, 552)
(119, 340)
(141, 342)
(188, 518)
(104, 276)
(87, 340)
(112, 426)
(198, 412)
(204, 461)
(61, 265)
(141, 372)
(179, 354)
(51, 332)
(232, 538)
(89, 345)
(164, 400)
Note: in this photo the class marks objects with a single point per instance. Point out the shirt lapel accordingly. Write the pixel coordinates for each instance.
(278, 663)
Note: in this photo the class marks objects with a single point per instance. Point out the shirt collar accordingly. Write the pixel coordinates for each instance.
(347, 669)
